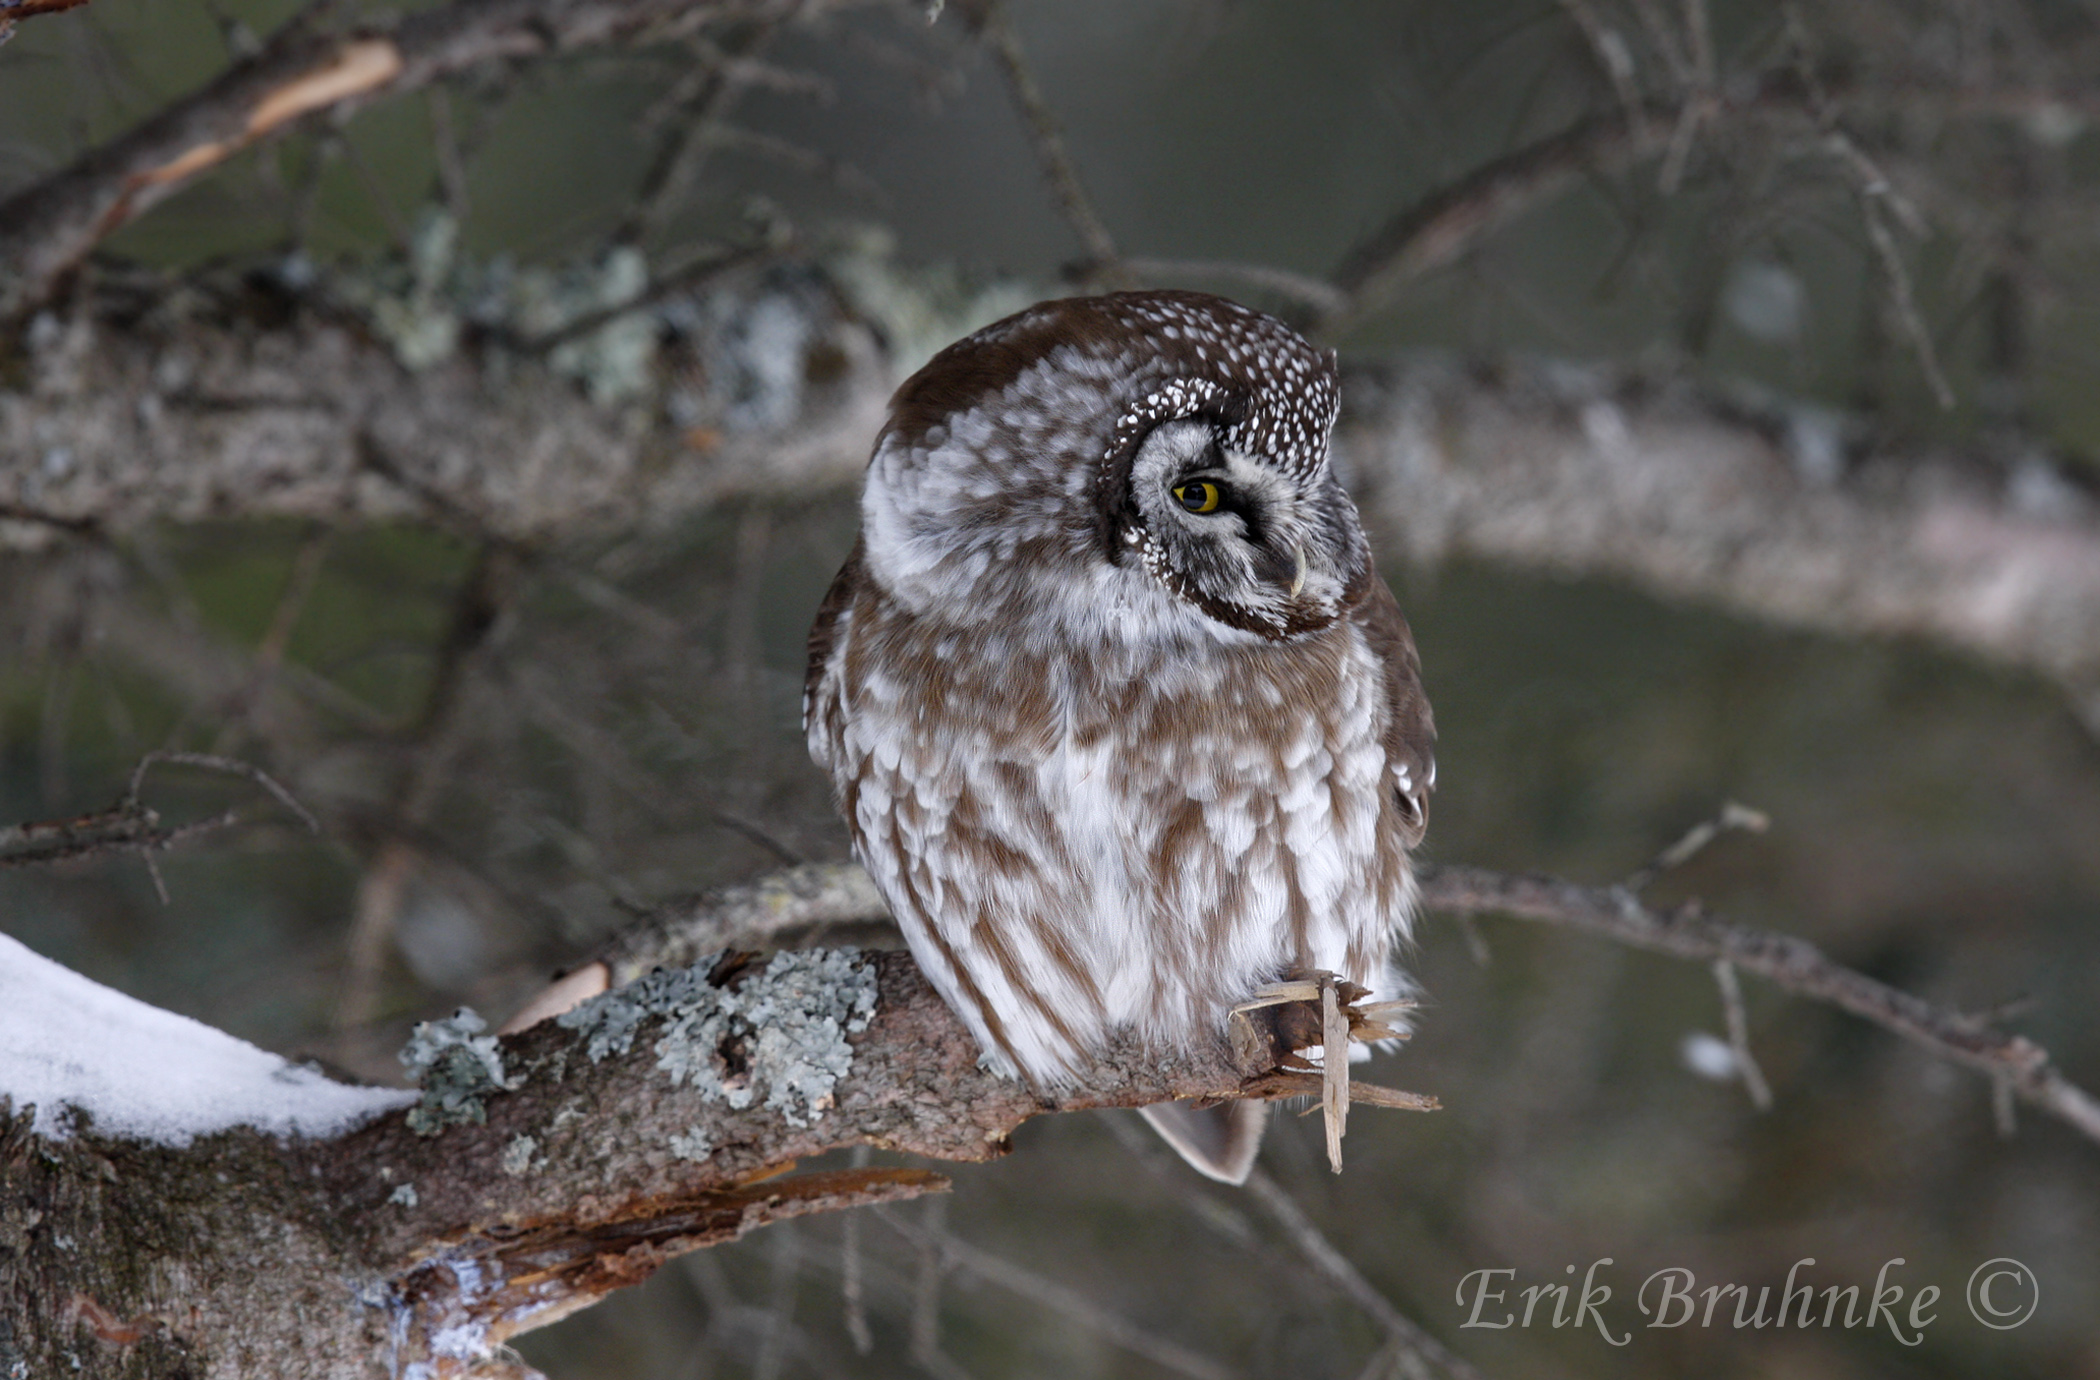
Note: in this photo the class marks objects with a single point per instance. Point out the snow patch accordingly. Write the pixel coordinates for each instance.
(1709, 1056)
(150, 1074)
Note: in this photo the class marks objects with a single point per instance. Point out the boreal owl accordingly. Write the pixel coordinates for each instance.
(1123, 721)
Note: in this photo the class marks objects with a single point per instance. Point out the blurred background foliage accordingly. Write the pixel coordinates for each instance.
(513, 751)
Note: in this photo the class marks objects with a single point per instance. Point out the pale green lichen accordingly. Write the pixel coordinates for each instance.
(778, 1037)
(692, 1145)
(520, 1157)
(405, 1196)
(456, 1066)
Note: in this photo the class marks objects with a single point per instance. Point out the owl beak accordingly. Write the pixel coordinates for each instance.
(1298, 570)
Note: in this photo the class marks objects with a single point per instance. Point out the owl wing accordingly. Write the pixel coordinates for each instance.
(1410, 730)
(823, 640)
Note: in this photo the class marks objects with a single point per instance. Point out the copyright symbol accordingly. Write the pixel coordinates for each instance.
(2003, 1293)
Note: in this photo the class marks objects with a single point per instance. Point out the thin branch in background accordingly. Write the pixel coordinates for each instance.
(692, 108)
(852, 1300)
(1739, 1035)
(1666, 44)
(130, 825)
(444, 140)
(952, 1253)
(73, 526)
(13, 12)
(1791, 964)
(479, 604)
(1437, 228)
(284, 620)
(231, 766)
(926, 1283)
(785, 1261)
(1320, 298)
(1701, 94)
(1608, 46)
(841, 174)
(1476, 941)
(1879, 201)
(931, 1237)
(1103, 264)
(1902, 297)
(382, 200)
(1413, 1347)
(1695, 841)
(1670, 176)
(1700, 40)
(689, 277)
(325, 148)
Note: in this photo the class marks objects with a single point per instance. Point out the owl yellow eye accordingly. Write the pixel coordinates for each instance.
(1198, 496)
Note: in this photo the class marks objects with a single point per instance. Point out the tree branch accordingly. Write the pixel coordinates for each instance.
(590, 1150)
(1797, 514)
(304, 69)
(558, 1177)
(1790, 513)
(1790, 964)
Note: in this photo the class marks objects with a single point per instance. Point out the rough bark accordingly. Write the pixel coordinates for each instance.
(385, 1249)
(1780, 511)
(391, 1248)
(246, 403)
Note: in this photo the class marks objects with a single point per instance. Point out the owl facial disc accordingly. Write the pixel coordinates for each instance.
(1232, 533)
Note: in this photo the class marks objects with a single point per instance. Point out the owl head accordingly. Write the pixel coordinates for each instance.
(1144, 460)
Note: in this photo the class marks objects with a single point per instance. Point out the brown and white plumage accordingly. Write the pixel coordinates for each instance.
(1116, 762)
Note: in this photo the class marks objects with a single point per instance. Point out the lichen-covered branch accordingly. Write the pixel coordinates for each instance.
(539, 1172)
(544, 1169)
(1777, 510)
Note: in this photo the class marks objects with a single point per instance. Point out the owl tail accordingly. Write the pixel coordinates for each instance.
(1220, 1141)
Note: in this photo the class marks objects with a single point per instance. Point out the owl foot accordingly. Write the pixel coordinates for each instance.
(1273, 1032)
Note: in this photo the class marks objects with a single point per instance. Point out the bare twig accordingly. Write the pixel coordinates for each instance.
(74, 526)
(1793, 965)
(302, 70)
(1878, 201)
(131, 826)
(1103, 264)
(478, 606)
(852, 1301)
(687, 278)
(231, 766)
(1439, 227)
(953, 1253)
(1695, 841)
(14, 11)
(693, 109)
(1902, 298)
(780, 1306)
(1739, 1035)
(1322, 299)
(269, 653)
(1615, 58)
(1405, 1335)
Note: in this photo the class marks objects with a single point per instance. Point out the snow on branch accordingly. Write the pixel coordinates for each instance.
(540, 1170)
